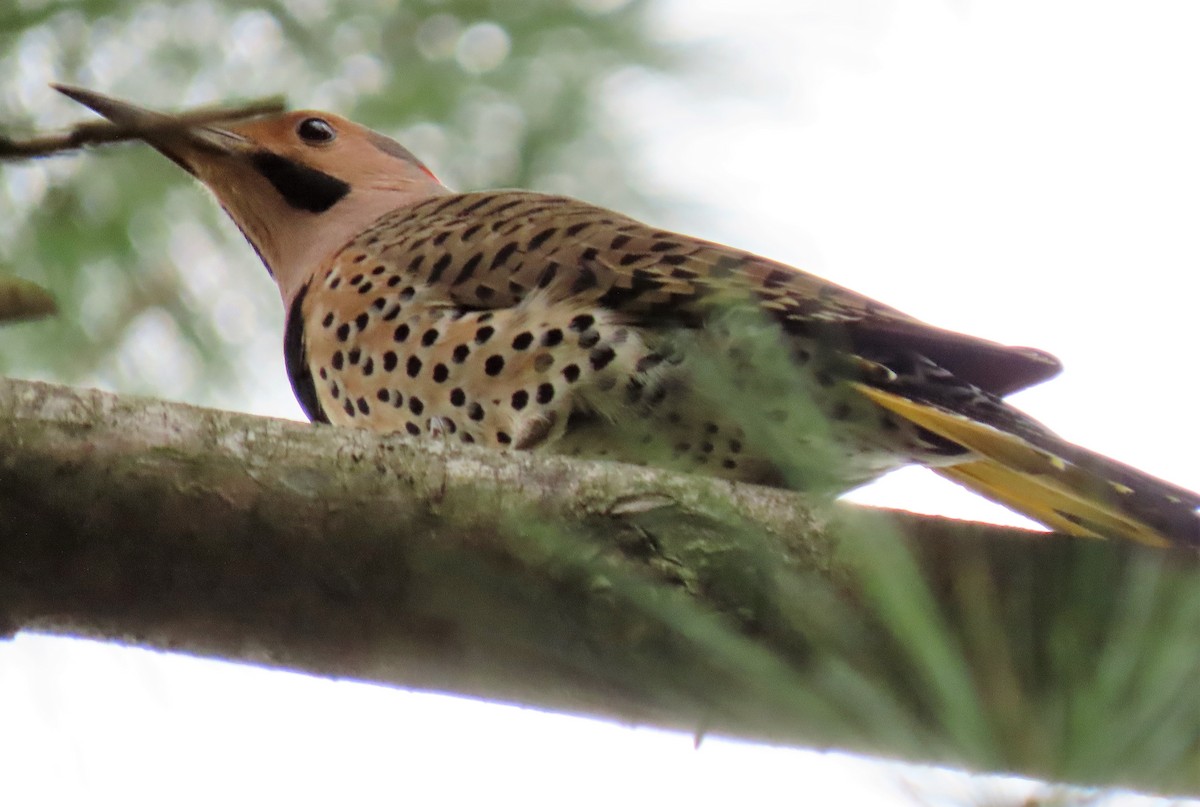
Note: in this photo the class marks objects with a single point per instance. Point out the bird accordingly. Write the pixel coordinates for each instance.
(519, 320)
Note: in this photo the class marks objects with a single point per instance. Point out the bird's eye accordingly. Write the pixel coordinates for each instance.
(315, 130)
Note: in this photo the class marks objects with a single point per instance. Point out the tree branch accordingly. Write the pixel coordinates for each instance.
(595, 588)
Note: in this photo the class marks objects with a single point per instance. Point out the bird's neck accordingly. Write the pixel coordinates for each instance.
(296, 255)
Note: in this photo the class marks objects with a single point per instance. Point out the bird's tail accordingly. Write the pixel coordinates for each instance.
(1061, 485)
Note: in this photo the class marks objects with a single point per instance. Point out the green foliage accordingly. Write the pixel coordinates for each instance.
(157, 292)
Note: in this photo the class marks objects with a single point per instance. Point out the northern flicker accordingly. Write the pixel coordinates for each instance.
(522, 320)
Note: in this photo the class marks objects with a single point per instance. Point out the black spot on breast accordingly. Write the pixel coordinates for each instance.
(520, 399)
(552, 337)
(343, 332)
(302, 187)
(484, 334)
(429, 337)
(494, 364)
(457, 396)
(475, 411)
(440, 372)
(413, 368)
(460, 354)
(601, 356)
(619, 241)
(361, 321)
(522, 340)
(545, 393)
(389, 361)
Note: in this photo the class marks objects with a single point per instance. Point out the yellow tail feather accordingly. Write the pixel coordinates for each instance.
(1026, 478)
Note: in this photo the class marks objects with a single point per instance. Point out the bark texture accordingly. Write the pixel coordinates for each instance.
(595, 588)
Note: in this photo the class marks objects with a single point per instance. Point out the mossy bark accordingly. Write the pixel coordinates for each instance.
(594, 588)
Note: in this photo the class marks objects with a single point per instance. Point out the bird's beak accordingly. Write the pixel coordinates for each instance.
(186, 145)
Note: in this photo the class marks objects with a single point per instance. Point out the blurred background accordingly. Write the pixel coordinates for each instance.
(1024, 171)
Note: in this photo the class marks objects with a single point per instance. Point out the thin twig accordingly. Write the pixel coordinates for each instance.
(92, 133)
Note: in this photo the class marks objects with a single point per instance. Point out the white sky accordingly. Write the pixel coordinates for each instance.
(1026, 171)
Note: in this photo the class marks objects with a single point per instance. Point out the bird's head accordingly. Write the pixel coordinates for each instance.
(300, 185)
